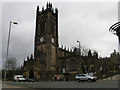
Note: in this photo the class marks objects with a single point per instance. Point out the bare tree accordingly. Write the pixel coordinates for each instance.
(11, 64)
(85, 51)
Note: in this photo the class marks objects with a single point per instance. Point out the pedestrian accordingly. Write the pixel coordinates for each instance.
(55, 78)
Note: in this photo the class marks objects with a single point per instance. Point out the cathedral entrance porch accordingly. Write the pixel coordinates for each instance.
(46, 75)
(31, 74)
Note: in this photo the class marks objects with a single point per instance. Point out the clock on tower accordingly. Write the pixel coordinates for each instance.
(52, 40)
(41, 39)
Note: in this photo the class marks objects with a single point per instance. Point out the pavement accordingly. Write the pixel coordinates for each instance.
(10, 86)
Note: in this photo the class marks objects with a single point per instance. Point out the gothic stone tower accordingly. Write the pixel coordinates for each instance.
(46, 39)
(48, 58)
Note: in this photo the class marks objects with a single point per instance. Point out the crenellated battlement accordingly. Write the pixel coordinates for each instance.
(49, 8)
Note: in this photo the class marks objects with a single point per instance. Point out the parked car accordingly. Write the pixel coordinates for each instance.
(19, 78)
(85, 77)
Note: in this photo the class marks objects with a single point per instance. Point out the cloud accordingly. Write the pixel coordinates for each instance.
(88, 23)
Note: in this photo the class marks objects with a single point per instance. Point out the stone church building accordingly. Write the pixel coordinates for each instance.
(49, 59)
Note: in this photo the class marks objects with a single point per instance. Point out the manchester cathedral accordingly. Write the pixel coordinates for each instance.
(50, 59)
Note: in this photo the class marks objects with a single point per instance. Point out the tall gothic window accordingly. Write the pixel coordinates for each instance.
(42, 58)
(52, 28)
(72, 65)
(42, 27)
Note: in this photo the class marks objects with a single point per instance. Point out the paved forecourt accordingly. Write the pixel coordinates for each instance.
(60, 84)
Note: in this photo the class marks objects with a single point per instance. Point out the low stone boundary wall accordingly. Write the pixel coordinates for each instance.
(116, 77)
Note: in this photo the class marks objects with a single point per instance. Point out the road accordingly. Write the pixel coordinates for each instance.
(60, 84)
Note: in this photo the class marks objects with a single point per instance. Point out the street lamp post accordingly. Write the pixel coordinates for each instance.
(63, 71)
(6, 67)
(80, 56)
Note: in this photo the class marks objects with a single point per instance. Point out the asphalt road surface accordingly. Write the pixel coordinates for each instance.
(61, 84)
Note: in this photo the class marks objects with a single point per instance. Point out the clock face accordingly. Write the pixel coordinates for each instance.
(41, 39)
(52, 40)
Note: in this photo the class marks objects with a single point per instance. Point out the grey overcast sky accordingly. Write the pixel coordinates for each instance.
(88, 22)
